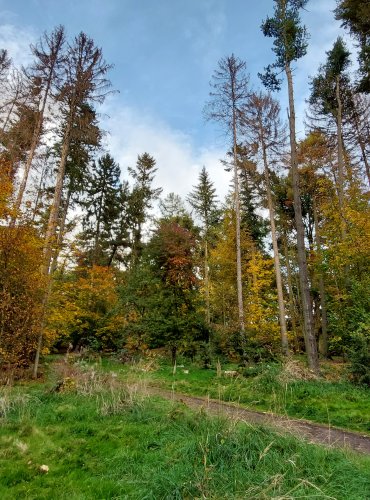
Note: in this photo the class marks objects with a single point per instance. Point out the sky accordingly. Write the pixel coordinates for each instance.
(164, 53)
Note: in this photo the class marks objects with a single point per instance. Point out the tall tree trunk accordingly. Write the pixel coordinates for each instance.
(340, 159)
(206, 280)
(279, 285)
(237, 222)
(61, 232)
(51, 231)
(362, 145)
(292, 301)
(309, 334)
(323, 344)
(54, 212)
(36, 135)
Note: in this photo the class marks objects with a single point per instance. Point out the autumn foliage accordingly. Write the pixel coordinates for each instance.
(21, 293)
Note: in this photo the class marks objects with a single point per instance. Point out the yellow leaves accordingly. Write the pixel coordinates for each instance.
(85, 307)
(260, 302)
(6, 188)
(21, 292)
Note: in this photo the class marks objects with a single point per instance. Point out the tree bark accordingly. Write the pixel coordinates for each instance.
(340, 158)
(279, 285)
(237, 222)
(61, 232)
(309, 335)
(323, 344)
(206, 281)
(292, 301)
(51, 231)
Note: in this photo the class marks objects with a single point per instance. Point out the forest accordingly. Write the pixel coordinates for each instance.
(99, 266)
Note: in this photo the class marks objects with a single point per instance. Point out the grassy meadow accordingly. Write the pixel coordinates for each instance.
(289, 390)
(101, 437)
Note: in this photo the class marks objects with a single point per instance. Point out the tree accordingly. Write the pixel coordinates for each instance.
(259, 299)
(355, 15)
(102, 208)
(172, 209)
(230, 91)
(21, 284)
(203, 200)
(5, 63)
(84, 309)
(171, 319)
(85, 82)
(141, 200)
(261, 118)
(290, 44)
(250, 194)
(328, 92)
(42, 75)
(85, 139)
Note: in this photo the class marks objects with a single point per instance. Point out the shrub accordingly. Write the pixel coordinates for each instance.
(359, 356)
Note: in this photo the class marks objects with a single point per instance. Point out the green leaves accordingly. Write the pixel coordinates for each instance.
(290, 39)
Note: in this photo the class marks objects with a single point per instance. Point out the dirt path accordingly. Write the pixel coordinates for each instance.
(315, 433)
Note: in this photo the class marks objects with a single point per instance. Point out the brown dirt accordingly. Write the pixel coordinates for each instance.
(314, 433)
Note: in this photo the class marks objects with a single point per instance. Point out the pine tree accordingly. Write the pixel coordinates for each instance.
(290, 44)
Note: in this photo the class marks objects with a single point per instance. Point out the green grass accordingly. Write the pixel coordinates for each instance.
(110, 444)
(336, 403)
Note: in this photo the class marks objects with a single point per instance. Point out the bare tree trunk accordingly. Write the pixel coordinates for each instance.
(362, 145)
(27, 168)
(310, 340)
(61, 233)
(49, 63)
(206, 281)
(340, 159)
(292, 302)
(51, 231)
(323, 345)
(279, 285)
(237, 222)
(53, 217)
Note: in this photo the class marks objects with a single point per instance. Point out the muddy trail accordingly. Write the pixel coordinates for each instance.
(312, 432)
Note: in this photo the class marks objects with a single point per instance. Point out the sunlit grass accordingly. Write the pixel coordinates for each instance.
(113, 443)
(336, 403)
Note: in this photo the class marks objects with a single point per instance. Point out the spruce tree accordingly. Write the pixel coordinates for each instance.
(141, 200)
(102, 208)
(203, 200)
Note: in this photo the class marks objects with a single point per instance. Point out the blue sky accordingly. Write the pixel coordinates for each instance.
(164, 53)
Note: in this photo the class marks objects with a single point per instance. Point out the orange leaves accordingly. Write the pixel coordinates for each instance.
(173, 249)
(6, 188)
(21, 292)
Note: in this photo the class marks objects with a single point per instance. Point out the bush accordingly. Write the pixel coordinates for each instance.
(359, 356)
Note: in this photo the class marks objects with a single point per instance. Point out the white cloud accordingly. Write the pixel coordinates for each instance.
(178, 161)
(16, 41)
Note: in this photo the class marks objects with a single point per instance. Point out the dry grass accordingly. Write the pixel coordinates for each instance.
(293, 370)
(11, 400)
(113, 396)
